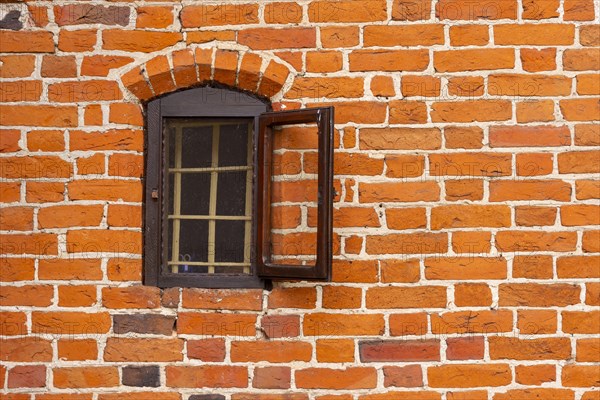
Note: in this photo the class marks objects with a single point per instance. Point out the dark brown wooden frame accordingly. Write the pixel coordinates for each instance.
(216, 102)
(323, 117)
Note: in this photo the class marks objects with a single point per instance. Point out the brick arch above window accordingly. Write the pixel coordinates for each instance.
(191, 67)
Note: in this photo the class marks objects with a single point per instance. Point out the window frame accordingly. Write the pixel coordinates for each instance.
(227, 103)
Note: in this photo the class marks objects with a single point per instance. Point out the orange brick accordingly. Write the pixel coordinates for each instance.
(403, 35)
(335, 350)
(399, 192)
(532, 267)
(406, 271)
(71, 323)
(324, 61)
(131, 297)
(581, 59)
(535, 322)
(272, 351)
(469, 35)
(269, 38)
(537, 60)
(400, 138)
(472, 295)
(77, 350)
(469, 375)
(19, 66)
(579, 10)
(282, 13)
(463, 322)
(465, 216)
(535, 216)
(76, 296)
(322, 324)
(339, 36)
(86, 377)
(154, 17)
(383, 86)
(408, 324)
(464, 189)
(538, 295)
(534, 164)
(143, 350)
(534, 34)
(41, 192)
(470, 164)
(530, 190)
(471, 111)
(471, 86)
(16, 218)
(406, 297)
(347, 11)
(420, 86)
(138, 40)
(473, 60)
(325, 378)
(535, 111)
(388, 60)
(406, 218)
(219, 376)
(535, 374)
(26, 42)
(581, 162)
(471, 242)
(77, 41)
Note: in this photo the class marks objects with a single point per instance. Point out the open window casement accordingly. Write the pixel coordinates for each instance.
(236, 195)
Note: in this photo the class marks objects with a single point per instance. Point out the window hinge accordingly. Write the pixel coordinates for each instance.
(155, 194)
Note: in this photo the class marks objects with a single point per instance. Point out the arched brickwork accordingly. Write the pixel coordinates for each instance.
(186, 68)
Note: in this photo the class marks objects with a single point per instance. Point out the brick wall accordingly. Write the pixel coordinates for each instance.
(466, 225)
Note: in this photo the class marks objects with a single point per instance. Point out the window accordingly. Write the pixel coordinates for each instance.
(236, 195)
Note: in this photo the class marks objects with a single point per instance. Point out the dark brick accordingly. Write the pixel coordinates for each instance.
(207, 397)
(400, 350)
(83, 14)
(11, 21)
(141, 376)
(144, 323)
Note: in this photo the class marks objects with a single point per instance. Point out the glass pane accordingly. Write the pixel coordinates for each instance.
(196, 146)
(231, 193)
(233, 145)
(229, 241)
(195, 193)
(294, 195)
(193, 240)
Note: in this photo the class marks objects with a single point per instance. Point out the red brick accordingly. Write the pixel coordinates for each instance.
(59, 67)
(216, 324)
(408, 376)
(76, 295)
(534, 164)
(469, 348)
(131, 297)
(403, 35)
(206, 349)
(535, 216)
(271, 351)
(399, 350)
(272, 377)
(26, 349)
(27, 376)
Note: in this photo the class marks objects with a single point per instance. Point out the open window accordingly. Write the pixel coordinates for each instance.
(236, 195)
